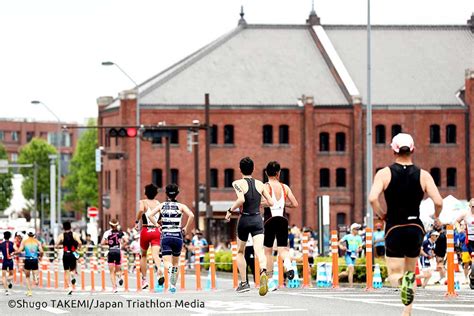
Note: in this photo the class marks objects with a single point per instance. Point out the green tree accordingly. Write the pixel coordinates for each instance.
(37, 151)
(81, 183)
(6, 186)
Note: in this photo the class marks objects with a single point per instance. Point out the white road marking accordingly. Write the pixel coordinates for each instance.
(55, 310)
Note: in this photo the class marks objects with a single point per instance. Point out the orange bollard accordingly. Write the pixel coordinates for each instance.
(125, 280)
(368, 259)
(182, 264)
(257, 270)
(417, 273)
(335, 259)
(234, 264)
(40, 283)
(197, 264)
(49, 280)
(451, 292)
(212, 261)
(137, 272)
(66, 281)
(102, 273)
(280, 273)
(83, 275)
(152, 272)
(92, 280)
(306, 272)
(14, 275)
(56, 273)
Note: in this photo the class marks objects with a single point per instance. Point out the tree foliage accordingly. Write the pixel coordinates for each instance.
(6, 186)
(81, 183)
(36, 151)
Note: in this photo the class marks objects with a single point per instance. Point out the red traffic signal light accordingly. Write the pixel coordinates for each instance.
(123, 132)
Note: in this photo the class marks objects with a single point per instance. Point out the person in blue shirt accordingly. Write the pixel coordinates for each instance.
(379, 240)
(427, 253)
(7, 248)
(352, 244)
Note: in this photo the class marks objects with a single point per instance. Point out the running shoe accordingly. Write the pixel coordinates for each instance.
(29, 293)
(144, 284)
(161, 280)
(263, 290)
(272, 285)
(10, 285)
(172, 288)
(174, 277)
(120, 281)
(69, 292)
(406, 291)
(114, 289)
(73, 280)
(290, 274)
(243, 287)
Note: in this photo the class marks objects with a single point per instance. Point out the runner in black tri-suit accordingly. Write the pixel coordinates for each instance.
(249, 195)
(404, 185)
(71, 242)
(113, 238)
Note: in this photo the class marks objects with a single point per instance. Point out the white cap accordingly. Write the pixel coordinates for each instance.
(402, 140)
(434, 232)
(355, 226)
(30, 232)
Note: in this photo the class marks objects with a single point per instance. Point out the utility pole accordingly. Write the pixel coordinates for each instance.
(208, 169)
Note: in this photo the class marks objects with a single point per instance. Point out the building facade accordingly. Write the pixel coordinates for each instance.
(296, 94)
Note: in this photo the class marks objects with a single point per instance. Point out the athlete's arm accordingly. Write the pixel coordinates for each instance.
(263, 202)
(22, 247)
(432, 191)
(153, 213)
(240, 196)
(461, 217)
(377, 189)
(40, 248)
(141, 208)
(341, 243)
(77, 239)
(190, 215)
(60, 241)
(293, 202)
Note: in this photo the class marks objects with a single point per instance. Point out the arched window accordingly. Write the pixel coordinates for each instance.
(380, 134)
(324, 178)
(434, 134)
(451, 177)
(323, 141)
(284, 134)
(451, 134)
(228, 178)
(396, 129)
(340, 141)
(436, 174)
(285, 176)
(213, 134)
(341, 177)
(228, 134)
(175, 176)
(267, 134)
(157, 177)
(214, 178)
(341, 219)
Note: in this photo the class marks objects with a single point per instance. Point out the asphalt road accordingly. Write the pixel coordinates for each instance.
(225, 301)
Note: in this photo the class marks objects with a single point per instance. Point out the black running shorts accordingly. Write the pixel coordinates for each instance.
(403, 241)
(249, 224)
(69, 261)
(114, 257)
(31, 264)
(276, 227)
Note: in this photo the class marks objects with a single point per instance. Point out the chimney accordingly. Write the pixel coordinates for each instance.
(470, 23)
(128, 94)
(313, 18)
(242, 21)
(104, 101)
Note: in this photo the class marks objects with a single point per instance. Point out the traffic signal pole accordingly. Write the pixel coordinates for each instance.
(208, 169)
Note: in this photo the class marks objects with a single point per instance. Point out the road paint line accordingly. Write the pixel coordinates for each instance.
(55, 310)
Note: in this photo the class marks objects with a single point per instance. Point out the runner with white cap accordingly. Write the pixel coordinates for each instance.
(352, 244)
(113, 238)
(404, 186)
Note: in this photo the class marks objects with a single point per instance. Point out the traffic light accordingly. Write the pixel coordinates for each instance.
(123, 132)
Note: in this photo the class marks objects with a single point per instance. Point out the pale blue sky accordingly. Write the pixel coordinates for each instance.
(52, 49)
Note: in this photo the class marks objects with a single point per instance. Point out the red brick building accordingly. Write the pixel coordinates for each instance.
(296, 94)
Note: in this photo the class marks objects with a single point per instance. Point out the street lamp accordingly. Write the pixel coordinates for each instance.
(138, 171)
(59, 156)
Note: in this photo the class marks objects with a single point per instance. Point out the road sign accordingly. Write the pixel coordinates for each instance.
(3, 166)
(98, 160)
(92, 211)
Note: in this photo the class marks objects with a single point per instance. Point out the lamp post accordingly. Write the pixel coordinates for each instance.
(138, 162)
(59, 157)
(370, 220)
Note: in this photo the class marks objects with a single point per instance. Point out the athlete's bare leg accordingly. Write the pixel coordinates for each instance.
(143, 262)
(284, 253)
(396, 269)
(241, 263)
(4, 279)
(28, 281)
(155, 253)
(259, 252)
(112, 275)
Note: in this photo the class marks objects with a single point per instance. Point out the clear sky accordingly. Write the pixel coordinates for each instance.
(51, 50)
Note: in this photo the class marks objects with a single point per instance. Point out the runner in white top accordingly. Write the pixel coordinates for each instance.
(276, 221)
(468, 218)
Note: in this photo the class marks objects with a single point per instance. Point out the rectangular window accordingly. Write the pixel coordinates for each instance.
(285, 176)
(451, 134)
(380, 134)
(29, 136)
(435, 137)
(66, 140)
(174, 139)
(214, 178)
(341, 177)
(436, 174)
(396, 129)
(284, 134)
(340, 141)
(324, 178)
(53, 139)
(228, 178)
(267, 134)
(157, 177)
(229, 134)
(324, 141)
(15, 136)
(2, 135)
(175, 176)
(213, 134)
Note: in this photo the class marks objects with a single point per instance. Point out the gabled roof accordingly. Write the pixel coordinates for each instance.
(412, 65)
(252, 65)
